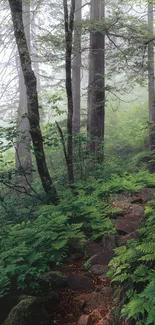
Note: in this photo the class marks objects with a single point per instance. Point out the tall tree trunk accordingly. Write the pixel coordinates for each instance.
(34, 48)
(32, 99)
(23, 141)
(151, 85)
(96, 97)
(69, 26)
(77, 67)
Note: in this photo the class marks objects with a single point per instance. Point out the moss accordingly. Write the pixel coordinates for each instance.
(28, 312)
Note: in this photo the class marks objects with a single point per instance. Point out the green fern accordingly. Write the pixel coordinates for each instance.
(133, 269)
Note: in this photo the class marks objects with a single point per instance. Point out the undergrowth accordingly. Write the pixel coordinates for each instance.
(42, 241)
(133, 270)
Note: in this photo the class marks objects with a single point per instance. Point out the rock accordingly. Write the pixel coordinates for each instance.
(144, 195)
(56, 280)
(131, 235)
(98, 269)
(107, 292)
(108, 241)
(127, 224)
(83, 298)
(52, 298)
(76, 256)
(93, 248)
(136, 209)
(98, 299)
(102, 258)
(123, 197)
(26, 312)
(141, 196)
(137, 199)
(85, 320)
(104, 279)
(96, 315)
(122, 205)
(79, 282)
(128, 208)
(9, 301)
(102, 322)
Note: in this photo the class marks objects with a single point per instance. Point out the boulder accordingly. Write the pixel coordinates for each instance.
(85, 320)
(136, 209)
(96, 300)
(96, 315)
(28, 311)
(144, 195)
(127, 224)
(123, 197)
(128, 208)
(76, 257)
(98, 269)
(102, 322)
(102, 258)
(55, 279)
(93, 248)
(80, 282)
(109, 241)
(131, 235)
(99, 299)
(124, 205)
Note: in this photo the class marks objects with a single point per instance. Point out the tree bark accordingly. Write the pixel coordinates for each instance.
(34, 52)
(77, 68)
(23, 141)
(69, 26)
(151, 85)
(96, 89)
(32, 99)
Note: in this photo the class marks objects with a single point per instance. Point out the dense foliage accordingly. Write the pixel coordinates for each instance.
(36, 239)
(133, 270)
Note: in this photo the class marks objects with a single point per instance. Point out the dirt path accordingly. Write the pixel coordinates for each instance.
(88, 298)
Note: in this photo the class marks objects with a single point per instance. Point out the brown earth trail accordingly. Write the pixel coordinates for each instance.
(88, 297)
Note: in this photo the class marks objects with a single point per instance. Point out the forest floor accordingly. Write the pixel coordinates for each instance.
(88, 297)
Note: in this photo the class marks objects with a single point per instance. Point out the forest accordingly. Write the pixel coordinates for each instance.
(77, 162)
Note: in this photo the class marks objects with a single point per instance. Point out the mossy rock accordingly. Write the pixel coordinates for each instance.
(56, 279)
(29, 311)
